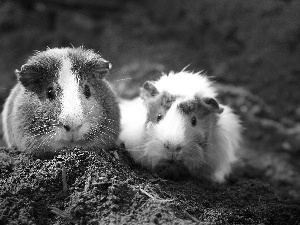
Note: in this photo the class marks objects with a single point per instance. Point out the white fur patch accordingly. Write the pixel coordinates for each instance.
(171, 129)
(57, 51)
(186, 84)
(229, 127)
(133, 119)
(168, 132)
(72, 112)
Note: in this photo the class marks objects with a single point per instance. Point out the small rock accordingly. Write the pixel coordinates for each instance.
(286, 146)
(155, 220)
(287, 122)
(114, 208)
(158, 215)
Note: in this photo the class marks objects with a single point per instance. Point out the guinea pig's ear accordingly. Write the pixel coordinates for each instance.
(26, 76)
(103, 70)
(212, 104)
(148, 90)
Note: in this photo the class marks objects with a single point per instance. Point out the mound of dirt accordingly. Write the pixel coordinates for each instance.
(80, 187)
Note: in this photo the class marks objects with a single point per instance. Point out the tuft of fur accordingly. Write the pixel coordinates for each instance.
(168, 135)
(61, 99)
(186, 84)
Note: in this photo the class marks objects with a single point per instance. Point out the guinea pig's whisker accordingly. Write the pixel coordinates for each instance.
(102, 141)
(97, 138)
(103, 138)
(104, 133)
(40, 143)
(39, 140)
(141, 146)
(91, 110)
(45, 140)
(109, 119)
(137, 148)
(192, 160)
(110, 133)
(110, 129)
(192, 155)
(204, 161)
(206, 154)
(128, 78)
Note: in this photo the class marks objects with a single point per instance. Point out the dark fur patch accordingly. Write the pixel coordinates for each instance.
(167, 100)
(87, 62)
(195, 105)
(189, 106)
(39, 71)
(159, 104)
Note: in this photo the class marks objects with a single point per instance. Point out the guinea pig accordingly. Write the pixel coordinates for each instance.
(183, 128)
(61, 99)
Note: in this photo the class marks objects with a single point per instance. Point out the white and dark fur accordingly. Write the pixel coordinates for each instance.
(61, 99)
(181, 127)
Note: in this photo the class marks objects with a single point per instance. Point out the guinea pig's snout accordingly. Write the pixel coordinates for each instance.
(71, 124)
(172, 148)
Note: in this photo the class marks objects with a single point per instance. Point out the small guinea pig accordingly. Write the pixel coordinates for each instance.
(184, 131)
(61, 99)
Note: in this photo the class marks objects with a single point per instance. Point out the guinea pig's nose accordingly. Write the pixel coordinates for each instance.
(176, 148)
(67, 127)
(71, 127)
(71, 124)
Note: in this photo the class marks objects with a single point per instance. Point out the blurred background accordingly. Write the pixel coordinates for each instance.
(251, 48)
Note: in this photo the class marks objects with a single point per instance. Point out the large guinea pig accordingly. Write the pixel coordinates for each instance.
(183, 128)
(61, 99)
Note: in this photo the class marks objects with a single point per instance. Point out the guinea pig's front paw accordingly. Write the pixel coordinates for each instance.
(171, 170)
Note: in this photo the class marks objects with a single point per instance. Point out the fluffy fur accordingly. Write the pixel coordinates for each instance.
(182, 125)
(185, 84)
(61, 99)
(133, 119)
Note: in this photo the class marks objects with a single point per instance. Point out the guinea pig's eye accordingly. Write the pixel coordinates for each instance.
(159, 117)
(87, 91)
(51, 93)
(193, 121)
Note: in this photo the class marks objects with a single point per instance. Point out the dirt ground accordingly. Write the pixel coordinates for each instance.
(250, 49)
(103, 188)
